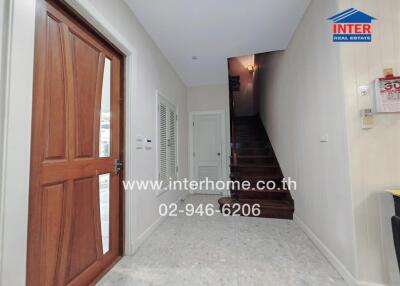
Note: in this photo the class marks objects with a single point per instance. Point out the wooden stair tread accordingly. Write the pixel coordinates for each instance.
(263, 191)
(253, 148)
(252, 140)
(253, 159)
(256, 176)
(240, 156)
(255, 165)
(286, 205)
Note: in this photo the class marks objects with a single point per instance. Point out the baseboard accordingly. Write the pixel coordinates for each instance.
(363, 283)
(146, 234)
(336, 263)
(347, 276)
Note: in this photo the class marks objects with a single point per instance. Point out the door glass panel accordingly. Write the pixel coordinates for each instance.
(104, 201)
(105, 112)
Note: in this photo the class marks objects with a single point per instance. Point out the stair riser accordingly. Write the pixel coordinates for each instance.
(253, 183)
(248, 126)
(270, 212)
(251, 139)
(253, 151)
(262, 195)
(254, 144)
(267, 160)
(249, 132)
(276, 213)
(267, 171)
(250, 136)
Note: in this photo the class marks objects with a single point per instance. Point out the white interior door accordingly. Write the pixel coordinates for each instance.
(207, 149)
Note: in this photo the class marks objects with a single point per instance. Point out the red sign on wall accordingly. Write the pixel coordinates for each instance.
(387, 94)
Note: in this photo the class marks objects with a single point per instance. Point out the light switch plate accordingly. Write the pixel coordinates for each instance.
(363, 90)
(324, 138)
(367, 119)
(139, 142)
(148, 144)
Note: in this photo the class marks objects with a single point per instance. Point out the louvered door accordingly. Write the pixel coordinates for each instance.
(167, 145)
(163, 142)
(172, 144)
(74, 208)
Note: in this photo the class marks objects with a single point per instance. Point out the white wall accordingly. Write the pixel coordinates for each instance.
(3, 41)
(153, 73)
(375, 153)
(322, 98)
(2, 91)
(301, 101)
(212, 97)
(208, 97)
(15, 152)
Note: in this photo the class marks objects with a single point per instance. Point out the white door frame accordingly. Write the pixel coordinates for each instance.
(224, 152)
(15, 154)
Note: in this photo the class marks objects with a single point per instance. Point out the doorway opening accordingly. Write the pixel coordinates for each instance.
(207, 148)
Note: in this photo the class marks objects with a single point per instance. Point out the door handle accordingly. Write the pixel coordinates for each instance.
(117, 166)
(219, 154)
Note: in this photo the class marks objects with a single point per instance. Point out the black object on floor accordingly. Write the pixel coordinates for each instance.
(396, 228)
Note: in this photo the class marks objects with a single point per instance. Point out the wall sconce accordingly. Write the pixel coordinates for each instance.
(251, 68)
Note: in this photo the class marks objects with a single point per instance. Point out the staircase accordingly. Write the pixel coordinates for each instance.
(253, 159)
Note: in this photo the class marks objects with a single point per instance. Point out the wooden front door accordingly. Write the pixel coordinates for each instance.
(75, 197)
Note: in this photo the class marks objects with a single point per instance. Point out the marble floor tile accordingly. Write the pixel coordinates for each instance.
(221, 250)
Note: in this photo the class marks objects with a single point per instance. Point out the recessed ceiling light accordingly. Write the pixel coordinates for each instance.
(195, 58)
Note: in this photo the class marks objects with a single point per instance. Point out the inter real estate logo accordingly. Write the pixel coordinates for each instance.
(352, 26)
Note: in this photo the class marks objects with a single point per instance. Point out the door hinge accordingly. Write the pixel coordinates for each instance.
(177, 169)
(193, 123)
(176, 116)
(194, 154)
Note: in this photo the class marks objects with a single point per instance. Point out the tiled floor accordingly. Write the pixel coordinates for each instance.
(222, 250)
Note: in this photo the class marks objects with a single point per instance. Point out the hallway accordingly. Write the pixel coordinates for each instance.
(222, 250)
(288, 111)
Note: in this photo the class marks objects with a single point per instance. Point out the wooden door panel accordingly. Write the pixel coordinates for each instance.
(87, 64)
(61, 170)
(55, 94)
(52, 217)
(65, 238)
(84, 229)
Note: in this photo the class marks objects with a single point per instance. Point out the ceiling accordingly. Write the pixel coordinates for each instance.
(214, 30)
